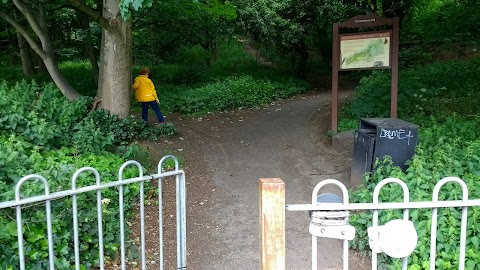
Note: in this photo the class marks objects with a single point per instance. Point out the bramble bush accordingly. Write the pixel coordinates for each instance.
(43, 133)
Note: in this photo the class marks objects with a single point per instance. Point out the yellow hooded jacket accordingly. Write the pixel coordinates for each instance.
(144, 89)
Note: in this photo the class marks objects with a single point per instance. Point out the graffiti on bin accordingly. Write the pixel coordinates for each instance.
(399, 134)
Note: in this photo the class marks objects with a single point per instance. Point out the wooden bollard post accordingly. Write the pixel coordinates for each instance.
(272, 223)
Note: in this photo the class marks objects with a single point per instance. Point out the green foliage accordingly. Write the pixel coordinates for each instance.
(19, 158)
(101, 130)
(288, 28)
(171, 25)
(42, 132)
(443, 19)
(448, 147)
(188, 67)
(228, 94)
(77, 73)
(42, 116)
(414, 55)
(234, 59)
(439, 88)
(38, 113)
(126, 5)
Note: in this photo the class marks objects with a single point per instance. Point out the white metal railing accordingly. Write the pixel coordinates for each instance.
(20, 202)
(333, 209)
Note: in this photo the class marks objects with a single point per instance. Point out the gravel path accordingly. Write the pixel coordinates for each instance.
(225, 154)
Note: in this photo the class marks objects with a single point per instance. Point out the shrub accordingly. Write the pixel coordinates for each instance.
(439, 88)
(40, 114)
(78, 74)
(448, 148)
(18, 158)
(228, 94)
(42, 132)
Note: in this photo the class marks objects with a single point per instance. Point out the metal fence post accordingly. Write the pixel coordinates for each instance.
(272, 223)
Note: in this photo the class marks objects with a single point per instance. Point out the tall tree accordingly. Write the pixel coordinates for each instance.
(288, 26)
(115, 55)
(36, 18)
(385, 8)
(114, 85)
(25, 54)
(170, 25)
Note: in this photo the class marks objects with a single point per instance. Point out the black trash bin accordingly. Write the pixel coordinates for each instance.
(377, 137)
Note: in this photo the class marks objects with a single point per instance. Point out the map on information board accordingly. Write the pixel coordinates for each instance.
(369, 50)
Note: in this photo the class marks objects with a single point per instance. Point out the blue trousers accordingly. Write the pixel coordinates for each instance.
(155, 108)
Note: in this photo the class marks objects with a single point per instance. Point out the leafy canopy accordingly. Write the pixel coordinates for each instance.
(126, 5)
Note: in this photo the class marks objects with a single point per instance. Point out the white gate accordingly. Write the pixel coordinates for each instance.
(48, 197)
(396, 238)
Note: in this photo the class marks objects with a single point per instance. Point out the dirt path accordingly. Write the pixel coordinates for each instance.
(224, 156)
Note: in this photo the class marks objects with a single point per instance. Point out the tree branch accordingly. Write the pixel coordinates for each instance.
(90, 12)
(29, 15)
(35, 46)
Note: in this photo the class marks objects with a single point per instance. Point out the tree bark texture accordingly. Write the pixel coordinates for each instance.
(115, 61)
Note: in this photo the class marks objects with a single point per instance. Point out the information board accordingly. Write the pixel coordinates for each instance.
(367, 50)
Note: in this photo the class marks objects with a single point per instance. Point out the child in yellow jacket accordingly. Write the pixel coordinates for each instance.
(145, 93)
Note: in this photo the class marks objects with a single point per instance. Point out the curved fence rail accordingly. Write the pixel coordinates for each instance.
(21, 202)
(329, 214)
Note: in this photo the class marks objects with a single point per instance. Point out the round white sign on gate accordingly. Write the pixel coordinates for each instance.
(398, 238)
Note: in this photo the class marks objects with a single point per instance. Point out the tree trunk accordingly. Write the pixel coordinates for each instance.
(114, 87)
(301, 49)
(25, 56)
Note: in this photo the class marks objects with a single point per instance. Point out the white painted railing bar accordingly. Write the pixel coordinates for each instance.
(122, 214)
(380, 206)
(373, 232)
(46, 187)
(315, 192)
(180, 213)
(463, 230)
(67, 193)
(75, 211)
(160, 220)
(100, 226)
(47, 197)
(376, 195)
(181, 219)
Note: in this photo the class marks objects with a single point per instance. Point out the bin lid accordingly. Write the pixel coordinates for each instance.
(388, 122)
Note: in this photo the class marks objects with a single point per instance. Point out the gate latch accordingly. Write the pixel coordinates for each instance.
(331, 224)
(397, 238)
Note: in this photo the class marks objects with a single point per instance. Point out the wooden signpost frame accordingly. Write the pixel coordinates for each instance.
(365, 21)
